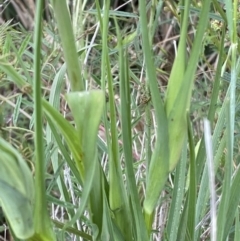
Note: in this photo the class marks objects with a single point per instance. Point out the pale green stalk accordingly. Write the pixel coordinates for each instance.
(192, 193)
(42, 224)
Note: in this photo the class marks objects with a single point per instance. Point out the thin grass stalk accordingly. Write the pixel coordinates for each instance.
(193, 186)
(224, 202)
(147, 130)
(39, 177)
(42, 223)
(174, 214)
(216, 85)
(182, 229)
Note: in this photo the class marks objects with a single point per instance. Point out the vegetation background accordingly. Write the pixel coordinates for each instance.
(119, 120)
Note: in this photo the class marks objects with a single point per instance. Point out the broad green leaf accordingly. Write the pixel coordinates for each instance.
(16, 191)
(179, 94)
(176, 107)
(176, 80)
(177, 118)
(87, 108)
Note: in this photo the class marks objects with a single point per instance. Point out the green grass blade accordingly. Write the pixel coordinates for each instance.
(127, 149)
(139, 227)
(118, 200)
(219, 142)
(182, 229)
(232, 10)
(192, 186)
(216, 85)
(17, 110)
(174, 216)
(64, 151)
(54, 100)
(237, 227)
(69, 48)
(224, 202)
(72, 230)
(176, 112)
(42, 223)
(179, 66)
(159, 164)
(15, 76)
(234, 199)
(69, 133)
(108, 230)
(200, 159)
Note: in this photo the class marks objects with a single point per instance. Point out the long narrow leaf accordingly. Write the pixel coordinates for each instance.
(192, 187)
(159, 165)
(174, 216)
(42, 223)
(69, 48)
